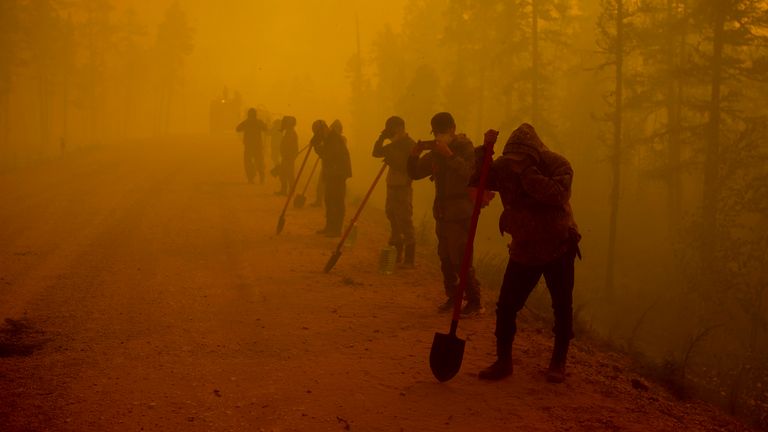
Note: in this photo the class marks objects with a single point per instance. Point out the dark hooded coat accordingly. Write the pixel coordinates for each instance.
(536, 198)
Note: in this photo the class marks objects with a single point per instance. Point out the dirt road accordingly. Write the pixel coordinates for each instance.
(144, 289)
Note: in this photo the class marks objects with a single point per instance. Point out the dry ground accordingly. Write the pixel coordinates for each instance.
(144, 288)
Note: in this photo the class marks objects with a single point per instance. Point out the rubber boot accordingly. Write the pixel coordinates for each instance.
(502, 367)
(410, 257)
(556, 371)
(473, 307)
(399, 247)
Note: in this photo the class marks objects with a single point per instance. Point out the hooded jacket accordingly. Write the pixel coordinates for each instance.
(535, 187)
(332, 149)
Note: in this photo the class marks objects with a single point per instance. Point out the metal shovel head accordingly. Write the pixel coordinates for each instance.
(332, 261)
(299, 201)
(446, 355)
(280, 224)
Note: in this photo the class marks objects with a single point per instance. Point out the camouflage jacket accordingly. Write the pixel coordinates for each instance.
(395, 155)
(451, 177)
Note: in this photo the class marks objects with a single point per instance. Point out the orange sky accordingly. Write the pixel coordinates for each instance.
(286, 55)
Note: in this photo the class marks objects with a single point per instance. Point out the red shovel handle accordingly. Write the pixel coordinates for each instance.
(490, 140)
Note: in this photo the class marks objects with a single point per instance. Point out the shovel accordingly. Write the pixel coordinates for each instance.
(281, 219)
(447, 349)
(337, 253)
(301, 198)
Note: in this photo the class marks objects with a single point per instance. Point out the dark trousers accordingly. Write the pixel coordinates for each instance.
(287, 175)
(253, 160)
(399, 209)
(519, 282)
(335, 192)
(451, 242)
(320, 191)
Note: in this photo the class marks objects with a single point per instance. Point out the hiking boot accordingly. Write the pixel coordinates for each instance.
(399, 248)
(473, 308)
(498, 370)
(447, 306)
(556, 372)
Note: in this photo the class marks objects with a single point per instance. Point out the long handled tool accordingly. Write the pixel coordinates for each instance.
(281, 219)
(301, 198)
(447, 349)
(337, 253)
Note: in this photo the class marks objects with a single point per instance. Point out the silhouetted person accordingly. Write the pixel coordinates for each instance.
(319, 191)
(253, 150)
(289, 150)
(535, 187)
(331, 146)
(399, 204)
(275, 139)
(449, 164)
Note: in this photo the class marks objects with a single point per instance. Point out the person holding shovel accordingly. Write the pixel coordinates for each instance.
(535, 187)
(399, 203)
(331, 146)
(449, 164)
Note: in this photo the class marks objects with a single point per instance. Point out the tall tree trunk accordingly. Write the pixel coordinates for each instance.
(5, 130)
(535, 62)
(616, 153)
(674, 101)
(65, 115)
(481, 102)
(711, 190)
(45, 114)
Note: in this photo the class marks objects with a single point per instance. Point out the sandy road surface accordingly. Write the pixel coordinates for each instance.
(144, 289)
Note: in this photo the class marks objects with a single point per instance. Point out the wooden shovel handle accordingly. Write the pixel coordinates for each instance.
(360, 208)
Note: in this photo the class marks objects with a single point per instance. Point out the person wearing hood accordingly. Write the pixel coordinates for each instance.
(399, 203)
(253, 150)
(331, 146)
(535, 188)
(449, 164)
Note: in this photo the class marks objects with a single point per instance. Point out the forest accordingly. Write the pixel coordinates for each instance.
(660, 105)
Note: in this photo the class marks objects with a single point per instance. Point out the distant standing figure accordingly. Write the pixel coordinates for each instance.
(399, 203)
(275, 141)
(337, 168)
(535, 187)
(253, 149)
(449, 164)
(289, 150)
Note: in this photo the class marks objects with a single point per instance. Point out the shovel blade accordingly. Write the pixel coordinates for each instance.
(299, 201)
(445, 356)
(332, 261)
(280, 224)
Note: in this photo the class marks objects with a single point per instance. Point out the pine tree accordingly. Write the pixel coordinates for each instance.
(9, 61)
(173, 44)
(615, 42)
